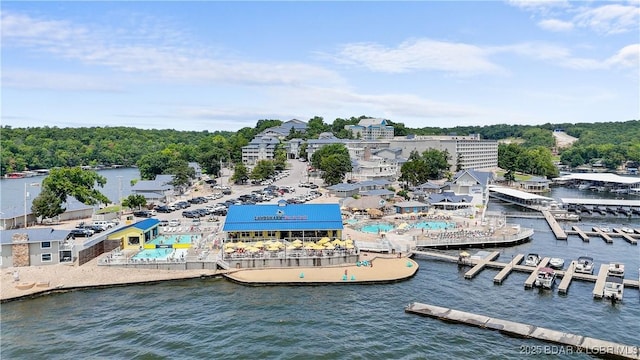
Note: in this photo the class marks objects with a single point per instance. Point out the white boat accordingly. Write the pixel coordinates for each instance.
(613, 288)
(556, 263)
(616, 269)
(532, 260)
(584, 265)
(584, 186)
(628, 230)
(546, 278)
(604, 229)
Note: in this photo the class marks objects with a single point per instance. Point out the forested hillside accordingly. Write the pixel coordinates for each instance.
(49, 147)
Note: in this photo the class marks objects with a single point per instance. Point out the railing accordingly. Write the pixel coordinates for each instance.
(475, 240)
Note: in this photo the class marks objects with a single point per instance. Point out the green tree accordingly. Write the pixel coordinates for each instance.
(435, 163)
(302, 151)
(77, 183)
(47, 205)
(262, 170)
(334, 161)
(134, 201)
(240, 173)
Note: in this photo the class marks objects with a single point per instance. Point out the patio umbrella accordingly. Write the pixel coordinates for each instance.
(329, 246)
(403, 226)
(349, 246)
(297, 241)
(464, 253)
(273, 248)
(241, 245)
(324, 240)
(229, 245)
(252, 249)
(229, 250)
(259, 244)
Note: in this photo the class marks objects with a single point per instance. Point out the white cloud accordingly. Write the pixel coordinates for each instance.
(539, 6)
(27, 79)
(420, 54)
(609, 19)
(627, 57)
(555, 25)
(134, 54)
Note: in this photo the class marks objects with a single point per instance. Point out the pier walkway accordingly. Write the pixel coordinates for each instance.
(598, 289)
(563, 288)
(555, 227)
(526, 331)
(498, 279)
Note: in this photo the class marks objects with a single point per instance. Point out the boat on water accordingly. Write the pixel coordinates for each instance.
(556, 263)
(584, 265)
(532, 260)
(616, 269)
(546, 278)
(613, 288)
(627, 230)
(604, 229)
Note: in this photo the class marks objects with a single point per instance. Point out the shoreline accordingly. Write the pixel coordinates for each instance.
(63, 278)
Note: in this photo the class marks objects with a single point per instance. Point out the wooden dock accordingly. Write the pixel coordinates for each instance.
(528, 284)
(480, 264)
(563, 288)
(498, 279)
(525, 331)
(598, 289)
(581, 233)
(555, 227)
(630, 239)
(604, 236)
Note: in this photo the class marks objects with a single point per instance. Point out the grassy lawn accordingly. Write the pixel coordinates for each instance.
(518, 176)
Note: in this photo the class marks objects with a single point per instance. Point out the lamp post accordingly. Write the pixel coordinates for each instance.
(26, 195)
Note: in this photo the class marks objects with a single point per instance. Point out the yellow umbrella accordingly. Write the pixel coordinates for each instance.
(348, 241)
(252, 249)
(277, 243)
(241, 245)
(349, 246)
(403, 226)
(297, 241)
(296, 245)
(464, 253)
(324, 240)
(329, 246)
(292, 247)
(229, 250)
(229, 245)
(310, 246)
(259, 244)
(273, 248)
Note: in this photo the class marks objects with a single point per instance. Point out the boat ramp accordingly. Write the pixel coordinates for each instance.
(575, 343)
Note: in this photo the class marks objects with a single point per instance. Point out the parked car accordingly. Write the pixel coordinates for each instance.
(81, 233)
(142, 213)
(174, 222)
(163, 209)
(164, 223)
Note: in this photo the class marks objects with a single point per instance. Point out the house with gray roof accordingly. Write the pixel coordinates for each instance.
(158, 190)
(35, 247)
(285, 129)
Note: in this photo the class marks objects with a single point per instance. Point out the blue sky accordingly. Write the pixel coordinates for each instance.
(224, 65)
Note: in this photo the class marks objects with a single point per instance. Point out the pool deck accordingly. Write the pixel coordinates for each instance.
(384, 269)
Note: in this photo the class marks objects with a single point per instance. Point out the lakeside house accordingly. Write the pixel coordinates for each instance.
(35, 247)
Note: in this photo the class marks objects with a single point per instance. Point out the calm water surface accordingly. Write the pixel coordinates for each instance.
(215, 319)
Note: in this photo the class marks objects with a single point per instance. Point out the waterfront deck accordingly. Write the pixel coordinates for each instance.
(558, 232)
(506, 237)
(526, 331)
(563, 288)
(607, 237)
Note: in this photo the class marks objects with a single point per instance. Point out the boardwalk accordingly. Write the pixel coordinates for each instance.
(598, 289)
(526, 331)
(555, 227)
(480, 264)
(445, 240)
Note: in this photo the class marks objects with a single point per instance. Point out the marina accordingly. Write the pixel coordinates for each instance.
(488, 260)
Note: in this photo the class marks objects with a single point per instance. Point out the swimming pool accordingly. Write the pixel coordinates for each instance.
(160, 254)
(434, 225)
(376, 228)
(174, 239)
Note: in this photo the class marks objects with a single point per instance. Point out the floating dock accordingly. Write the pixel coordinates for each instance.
(555, 227)
(598, 289)
(630, 239)
(580, 343)
(563, 288)
(581, 233)
(603, 235)
(480, 264)
(498, 279)
(528, 284)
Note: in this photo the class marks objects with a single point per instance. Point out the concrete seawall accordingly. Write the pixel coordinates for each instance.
(576, 343)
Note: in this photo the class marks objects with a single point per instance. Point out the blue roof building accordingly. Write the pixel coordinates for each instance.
(283, 221)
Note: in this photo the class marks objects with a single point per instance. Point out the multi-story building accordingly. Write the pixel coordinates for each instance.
(260, 148)
(465, 152)
(371, 129)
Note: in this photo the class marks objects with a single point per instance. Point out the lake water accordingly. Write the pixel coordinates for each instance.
(216, 319)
